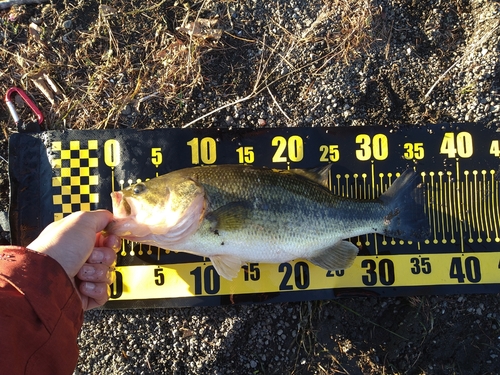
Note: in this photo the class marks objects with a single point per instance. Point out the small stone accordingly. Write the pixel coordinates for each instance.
(67, 24)
(261, 122)
(126, 110)
(253, 364)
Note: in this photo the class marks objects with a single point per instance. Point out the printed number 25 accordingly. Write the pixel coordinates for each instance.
(329, 153)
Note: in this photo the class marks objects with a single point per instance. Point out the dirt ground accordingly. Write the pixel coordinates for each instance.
(254, 64)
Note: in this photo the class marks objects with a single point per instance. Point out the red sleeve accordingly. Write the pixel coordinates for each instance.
(40, 314)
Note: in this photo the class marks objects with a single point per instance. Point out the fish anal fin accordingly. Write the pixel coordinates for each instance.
(229, 217)
(337, 257)
(227, 266)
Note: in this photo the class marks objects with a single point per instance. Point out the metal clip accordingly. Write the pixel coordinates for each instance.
(21, 126)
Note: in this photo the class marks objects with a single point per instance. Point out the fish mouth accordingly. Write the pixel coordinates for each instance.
(121, 207)
(123, 224)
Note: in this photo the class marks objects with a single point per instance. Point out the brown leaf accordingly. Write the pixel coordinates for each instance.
(35, 31)
(107, 11)
(202, 28)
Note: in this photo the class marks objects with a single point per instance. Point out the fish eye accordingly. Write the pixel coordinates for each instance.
(139, 188)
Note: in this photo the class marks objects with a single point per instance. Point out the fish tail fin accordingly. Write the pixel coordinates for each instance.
(405, 217)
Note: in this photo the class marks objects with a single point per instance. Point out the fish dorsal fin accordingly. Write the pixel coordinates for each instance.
(318, 175)
(337, 257)
(229, 217)
(227, 266)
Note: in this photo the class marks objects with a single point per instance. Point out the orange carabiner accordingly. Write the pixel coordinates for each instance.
(12, 109)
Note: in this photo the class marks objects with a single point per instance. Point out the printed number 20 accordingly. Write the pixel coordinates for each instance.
(294, 145)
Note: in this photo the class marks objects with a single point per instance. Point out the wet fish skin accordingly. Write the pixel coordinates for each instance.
(236, 213)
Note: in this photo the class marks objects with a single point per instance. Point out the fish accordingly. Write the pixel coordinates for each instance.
(237, 214)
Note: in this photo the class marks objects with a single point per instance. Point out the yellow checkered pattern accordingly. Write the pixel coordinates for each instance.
(76, 177)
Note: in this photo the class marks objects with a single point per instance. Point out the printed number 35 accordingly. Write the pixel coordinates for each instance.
(414, 151)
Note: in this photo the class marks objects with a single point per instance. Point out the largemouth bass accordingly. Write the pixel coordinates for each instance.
(235, 214)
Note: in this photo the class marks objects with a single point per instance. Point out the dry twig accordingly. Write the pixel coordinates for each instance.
(5, 4)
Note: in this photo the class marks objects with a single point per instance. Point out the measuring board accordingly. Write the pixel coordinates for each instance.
(55, 173)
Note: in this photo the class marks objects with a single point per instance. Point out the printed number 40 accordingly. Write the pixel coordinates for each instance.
(457, 145)
(495, 148)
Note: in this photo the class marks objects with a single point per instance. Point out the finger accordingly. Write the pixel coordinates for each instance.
(113, 242)
(102, 255)
(94, 220)
(97, 273)
(98, 293)
(101, 219)
(108, 240)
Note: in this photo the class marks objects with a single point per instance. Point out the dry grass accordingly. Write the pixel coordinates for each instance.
(146, 57)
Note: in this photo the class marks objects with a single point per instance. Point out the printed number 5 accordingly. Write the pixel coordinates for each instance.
(156, 156)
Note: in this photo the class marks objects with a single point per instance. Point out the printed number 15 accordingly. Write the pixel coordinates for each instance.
(245, 154)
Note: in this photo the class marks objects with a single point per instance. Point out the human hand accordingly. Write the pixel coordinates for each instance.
(87, 256)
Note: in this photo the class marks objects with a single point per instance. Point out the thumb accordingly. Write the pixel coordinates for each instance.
(100, 219)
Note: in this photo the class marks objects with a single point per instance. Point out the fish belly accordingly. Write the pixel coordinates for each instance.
(268, 243)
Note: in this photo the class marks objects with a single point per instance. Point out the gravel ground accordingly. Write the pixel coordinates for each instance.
(280, 63)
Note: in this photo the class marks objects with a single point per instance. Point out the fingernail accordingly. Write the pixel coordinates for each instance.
(89, 286)
(116, 247)
(114, 242)
(88, 270)
(97, 256)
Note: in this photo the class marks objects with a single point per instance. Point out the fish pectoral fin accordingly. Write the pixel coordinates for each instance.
(231, 216)
(337, 257)
(227, 266)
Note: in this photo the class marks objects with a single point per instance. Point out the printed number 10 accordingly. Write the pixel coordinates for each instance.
(204, 150)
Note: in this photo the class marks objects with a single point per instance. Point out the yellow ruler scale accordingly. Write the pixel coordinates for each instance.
(200, 279)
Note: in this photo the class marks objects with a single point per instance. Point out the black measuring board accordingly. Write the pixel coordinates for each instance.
(55, 173)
